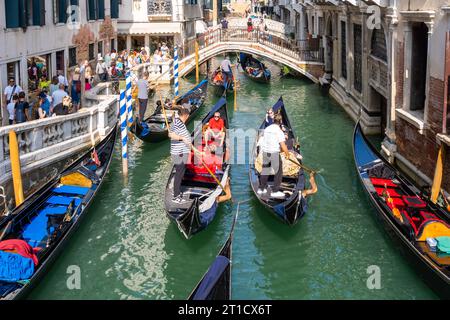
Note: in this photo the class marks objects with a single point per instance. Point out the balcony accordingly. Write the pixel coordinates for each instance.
(159, 10)
(378, 75)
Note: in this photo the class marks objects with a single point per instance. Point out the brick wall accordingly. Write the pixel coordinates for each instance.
(400, 72)
(436, 105)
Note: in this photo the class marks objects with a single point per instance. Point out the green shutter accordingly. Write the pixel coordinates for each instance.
(114, 9)
(12, 14)
(38, 12)
(23, 13)
(62, 11)
(74, 2)
(91, 10)
(101, 9)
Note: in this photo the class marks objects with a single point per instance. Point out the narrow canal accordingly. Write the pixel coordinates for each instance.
(126, 248)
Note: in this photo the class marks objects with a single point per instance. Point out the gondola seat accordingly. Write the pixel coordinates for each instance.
(394, 193)
(379, 182)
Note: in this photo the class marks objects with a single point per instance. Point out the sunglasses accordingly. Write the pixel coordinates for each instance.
(217, 117)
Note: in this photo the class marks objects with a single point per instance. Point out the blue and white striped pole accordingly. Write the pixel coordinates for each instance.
(129, 97)
(175, 70)
(124, 131)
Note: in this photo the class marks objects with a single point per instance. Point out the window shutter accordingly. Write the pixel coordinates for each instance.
(91, 9)
(62, 11)
(42, 13)
(12, 14)
(101, 9)
(114, 9)
(23, 13)
(38, 8)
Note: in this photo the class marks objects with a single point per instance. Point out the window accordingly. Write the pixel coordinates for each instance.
(192, 2)
(343, 50)
(101, 9)
(60, 11)
(115, 9)
(379, 45)
(357, 52)
(113, 45)
(419, 57)
(12, 70)
(91, 9)
(91, 51)
(72, 57)
(24, 13)
(60, 65)
(100, 48)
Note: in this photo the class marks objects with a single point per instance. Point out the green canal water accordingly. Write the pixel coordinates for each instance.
(126, 248)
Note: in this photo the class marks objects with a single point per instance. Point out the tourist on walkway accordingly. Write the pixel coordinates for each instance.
(11, 108)
(156, 61)
(180, 151)
(164, 49)
(76, 88)
(11, 90)
(62, 108)
(58, 95)
(44, 83)
(44, 106)
(62, 80)
(21, 109)
(101, 70)
(272, 141)
(142, 86)
(54, 85)
(249, 27)
(107, 59)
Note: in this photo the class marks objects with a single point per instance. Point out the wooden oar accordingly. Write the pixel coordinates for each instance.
(201, 158)
(207, 168)
(445, 200)
(164, 113)
(302, 166)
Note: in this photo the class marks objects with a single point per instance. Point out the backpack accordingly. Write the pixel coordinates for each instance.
(78, 86)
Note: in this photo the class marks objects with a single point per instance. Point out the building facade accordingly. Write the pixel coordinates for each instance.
(147, 23)
(387, 63)
(40, 38)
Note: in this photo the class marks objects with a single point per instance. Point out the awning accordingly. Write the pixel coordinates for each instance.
(148, 28)
(200, 26)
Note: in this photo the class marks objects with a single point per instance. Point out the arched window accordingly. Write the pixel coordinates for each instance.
(379, 44)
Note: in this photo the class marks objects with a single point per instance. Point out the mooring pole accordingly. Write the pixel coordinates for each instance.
(124, 131)
(197, 71)
(235, 88)
(15, 167)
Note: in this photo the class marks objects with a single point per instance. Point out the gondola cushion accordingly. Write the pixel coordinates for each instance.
(14, 267)
(383, 182)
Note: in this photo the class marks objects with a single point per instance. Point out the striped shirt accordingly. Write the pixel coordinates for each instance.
(179, 147)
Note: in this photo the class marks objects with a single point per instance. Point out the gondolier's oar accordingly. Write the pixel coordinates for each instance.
(164, 113)
(196, 151)
(207, 168)
(445, 200)
(304, 167)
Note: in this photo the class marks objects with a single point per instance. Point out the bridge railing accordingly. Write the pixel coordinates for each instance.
(303, 50)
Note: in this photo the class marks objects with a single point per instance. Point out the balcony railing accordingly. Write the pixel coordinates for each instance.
(378, 75)
(159, 8)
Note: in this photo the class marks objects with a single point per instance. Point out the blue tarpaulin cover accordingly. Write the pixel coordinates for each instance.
(14, 267)
(211, 277)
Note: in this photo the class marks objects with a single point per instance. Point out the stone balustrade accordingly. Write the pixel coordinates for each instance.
(378, 75)
(273, 27)
(158, 72)
(48, 145)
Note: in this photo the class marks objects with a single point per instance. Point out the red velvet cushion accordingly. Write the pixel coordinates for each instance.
(392, 192)
(383, 182)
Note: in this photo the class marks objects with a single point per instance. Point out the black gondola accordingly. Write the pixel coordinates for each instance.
(216, 282)
(198, 188)
(46, 220)
(293, 207)
(154, 129)
(254, 69)
(407, 216)
(219, 88)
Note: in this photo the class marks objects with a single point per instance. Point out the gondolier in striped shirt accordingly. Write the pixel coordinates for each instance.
(180, 149)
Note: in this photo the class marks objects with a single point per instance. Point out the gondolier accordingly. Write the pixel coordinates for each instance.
(227, 74)
(180, 150)
(272, 142)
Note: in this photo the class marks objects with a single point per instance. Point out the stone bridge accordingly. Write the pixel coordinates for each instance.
(303, 56)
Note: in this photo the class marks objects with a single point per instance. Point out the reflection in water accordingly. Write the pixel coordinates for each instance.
(126, 248)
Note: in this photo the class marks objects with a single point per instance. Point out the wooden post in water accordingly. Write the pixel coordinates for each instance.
(15, 167)
(235, 88)
(124, 131)
(197, 71)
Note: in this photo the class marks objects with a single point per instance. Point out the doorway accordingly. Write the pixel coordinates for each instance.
(378, 104)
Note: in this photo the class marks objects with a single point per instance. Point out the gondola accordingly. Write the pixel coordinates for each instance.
(198, 188)
(153, 129)
(291, 209)
(216, 282)
(39, 228)
(408, 217)
(254, 69)
(219, 88)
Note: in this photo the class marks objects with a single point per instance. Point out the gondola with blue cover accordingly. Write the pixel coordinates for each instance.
(254, 69)
(293, 207)
(154, 129)
(199, 189)
(216, 282)
(408, 216)
(33, 235)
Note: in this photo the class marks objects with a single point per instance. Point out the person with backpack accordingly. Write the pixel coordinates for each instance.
(101, 70)
(21, 109)
(11, 108)
(11, 90)
(44, 106)
(75, 91)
